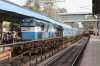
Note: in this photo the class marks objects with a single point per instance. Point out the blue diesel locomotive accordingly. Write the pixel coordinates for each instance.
(33, 29)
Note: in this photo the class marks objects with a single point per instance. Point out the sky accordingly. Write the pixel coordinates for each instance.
(77, 5)
(70, 5)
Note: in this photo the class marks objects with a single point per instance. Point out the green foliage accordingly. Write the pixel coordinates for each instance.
(37, 5)
(89, 25)
(6, 26)
(48, 9)
(14, 27)
(73, 24)
(31, 8)
(76, 25)
(90, 17)
(35, 9)
(62, 10)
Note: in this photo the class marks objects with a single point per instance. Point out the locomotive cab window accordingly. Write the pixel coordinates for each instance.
(31, 23)
(22, 23)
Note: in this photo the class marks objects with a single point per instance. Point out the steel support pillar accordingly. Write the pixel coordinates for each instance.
(99, 24)
(1, 29)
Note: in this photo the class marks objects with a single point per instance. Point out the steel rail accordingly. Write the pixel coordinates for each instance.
(50, 63)
(78, 56)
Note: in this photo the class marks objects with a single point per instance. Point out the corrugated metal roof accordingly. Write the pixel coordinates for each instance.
(16, 9)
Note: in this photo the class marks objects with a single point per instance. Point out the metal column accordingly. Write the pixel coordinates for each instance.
(1, 29)
(99, 24)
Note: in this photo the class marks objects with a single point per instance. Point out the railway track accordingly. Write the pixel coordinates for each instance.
(69, 57)
(17, 61)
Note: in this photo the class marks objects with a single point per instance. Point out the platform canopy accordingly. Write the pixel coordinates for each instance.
(11, 12)
(14, 13)
(95, 7)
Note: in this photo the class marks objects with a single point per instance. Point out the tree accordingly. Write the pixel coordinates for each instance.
(48, 9)
(73, 24)
(33, 6)
(76, 25)
(90, 17)
(14, 26)
(62, 10)
(89, 25)
(6, 26)
(28, 3)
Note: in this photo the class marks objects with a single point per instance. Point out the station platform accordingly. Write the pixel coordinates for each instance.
(91, 56)
(5, 53)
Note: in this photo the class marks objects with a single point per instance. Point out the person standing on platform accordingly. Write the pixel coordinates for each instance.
(5, 41)
(10, 38)
(17, 37)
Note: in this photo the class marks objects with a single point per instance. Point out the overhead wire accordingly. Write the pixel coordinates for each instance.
(75, 6)
(87, 6)
(78, 3)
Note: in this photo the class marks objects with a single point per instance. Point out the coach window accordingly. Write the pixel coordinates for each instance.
(38, 24)
(42, 27)
(47, 27)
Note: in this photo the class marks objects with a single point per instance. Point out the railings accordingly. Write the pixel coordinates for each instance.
(30, 53)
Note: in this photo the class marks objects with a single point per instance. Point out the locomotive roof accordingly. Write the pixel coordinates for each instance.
(4, 5)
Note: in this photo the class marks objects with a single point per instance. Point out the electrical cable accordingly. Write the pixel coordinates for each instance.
(78, 3)
(75, 6)
(87, 6)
